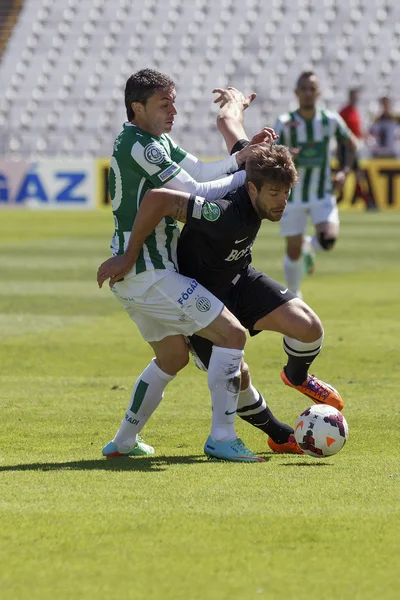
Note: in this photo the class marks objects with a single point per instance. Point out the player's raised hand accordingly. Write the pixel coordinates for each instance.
(114, 268)
(265, 137)
(267, 134)
(247, 151)
(232, 95)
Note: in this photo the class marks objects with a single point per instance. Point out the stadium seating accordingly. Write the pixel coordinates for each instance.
(63, 72)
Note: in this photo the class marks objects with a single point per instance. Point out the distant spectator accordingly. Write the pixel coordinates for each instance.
(385, 131)
(351, 116)
(350, 113)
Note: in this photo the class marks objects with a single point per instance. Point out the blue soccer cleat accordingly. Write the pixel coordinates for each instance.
(141, 449)
(233, 450)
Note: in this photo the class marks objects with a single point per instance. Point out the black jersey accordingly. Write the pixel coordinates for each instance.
(215, 244)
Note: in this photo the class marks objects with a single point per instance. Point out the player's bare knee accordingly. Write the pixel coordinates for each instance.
(315, 327)
(182, 359)
(293, 247)
(235, 336)
(294, 253)
(311, 326)
(173, 363)
(245, 373)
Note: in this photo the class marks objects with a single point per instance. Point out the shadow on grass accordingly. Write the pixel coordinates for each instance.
(306, 464)
(118, 463)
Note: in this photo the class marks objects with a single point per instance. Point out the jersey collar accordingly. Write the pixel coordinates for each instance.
(317, 114)
(129, 124)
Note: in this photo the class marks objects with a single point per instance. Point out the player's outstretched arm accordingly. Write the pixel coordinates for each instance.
(230, 117)
(230, 122)
(340, 177)
(156, 205)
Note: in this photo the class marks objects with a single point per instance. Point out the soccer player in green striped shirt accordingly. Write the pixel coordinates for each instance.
(165, 305)
(308, 132)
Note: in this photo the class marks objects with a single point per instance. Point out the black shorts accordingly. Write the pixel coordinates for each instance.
(251, 298)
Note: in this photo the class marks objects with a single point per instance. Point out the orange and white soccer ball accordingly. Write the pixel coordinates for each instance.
(321, 430)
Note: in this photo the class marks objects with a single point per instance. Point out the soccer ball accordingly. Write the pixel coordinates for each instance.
(321, 430)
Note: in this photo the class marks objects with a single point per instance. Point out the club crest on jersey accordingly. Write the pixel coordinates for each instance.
(154, 153)
(211, 211)
(203, 304)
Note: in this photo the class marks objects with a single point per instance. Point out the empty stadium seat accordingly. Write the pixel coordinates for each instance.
(64, 69)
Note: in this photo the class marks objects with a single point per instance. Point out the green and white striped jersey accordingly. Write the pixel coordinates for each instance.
(313, 137)
(141, 161)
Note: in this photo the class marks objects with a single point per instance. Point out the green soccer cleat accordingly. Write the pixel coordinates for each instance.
(141, 449)
(233, 450)
(308, 262)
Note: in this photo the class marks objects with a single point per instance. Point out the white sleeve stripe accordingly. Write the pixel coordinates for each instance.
(137, 154)
(210, 190)
(207, 171)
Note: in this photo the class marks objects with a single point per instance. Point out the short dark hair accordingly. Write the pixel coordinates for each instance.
(271, 164)
(142, 85)
(305, 75)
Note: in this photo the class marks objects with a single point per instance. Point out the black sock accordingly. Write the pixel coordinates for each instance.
(297, 369)
(266, 421)
(299, 360)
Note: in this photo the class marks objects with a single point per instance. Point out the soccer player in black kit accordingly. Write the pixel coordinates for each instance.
(215, 249)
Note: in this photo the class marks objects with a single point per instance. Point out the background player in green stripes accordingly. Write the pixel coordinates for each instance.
(308, 132)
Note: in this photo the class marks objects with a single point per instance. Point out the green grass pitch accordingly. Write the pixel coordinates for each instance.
(176, 527)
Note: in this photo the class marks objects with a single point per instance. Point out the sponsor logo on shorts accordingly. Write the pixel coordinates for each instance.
(188, 292)
(154, 153)
(197, 206)
(203, 304)
(164, 175)
(238, 254)
(211, 211)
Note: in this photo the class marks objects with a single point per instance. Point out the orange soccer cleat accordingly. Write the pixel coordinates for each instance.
(319, 391)
(290, 447)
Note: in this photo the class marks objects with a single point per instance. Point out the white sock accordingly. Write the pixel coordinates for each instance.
(224, 386)
(293, 270)
(250, 397)
(302, 349)
(146, 396)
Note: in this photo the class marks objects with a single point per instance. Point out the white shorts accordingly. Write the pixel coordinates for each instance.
(294, 218)
(170, 304)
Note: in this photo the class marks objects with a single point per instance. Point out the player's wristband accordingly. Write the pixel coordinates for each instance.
(239, 146)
